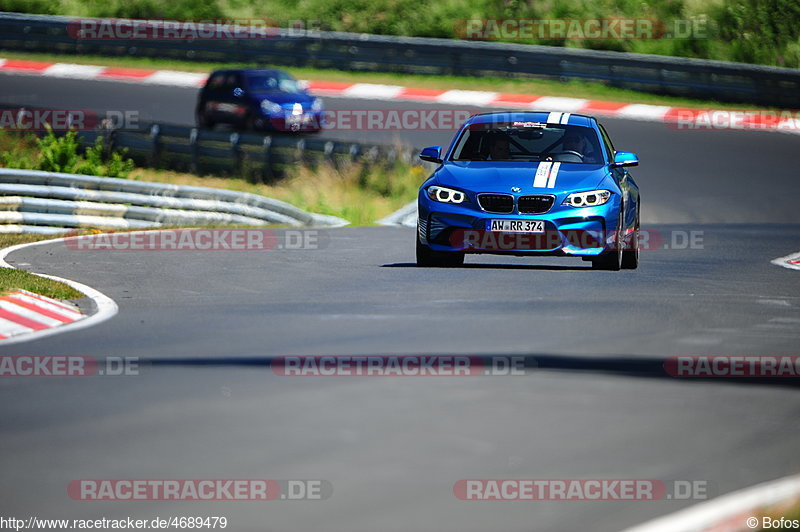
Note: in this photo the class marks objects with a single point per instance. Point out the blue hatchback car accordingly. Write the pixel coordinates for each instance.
(530, 183)
(258, 99)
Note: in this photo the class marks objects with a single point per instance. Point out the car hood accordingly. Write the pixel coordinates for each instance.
(488, 176)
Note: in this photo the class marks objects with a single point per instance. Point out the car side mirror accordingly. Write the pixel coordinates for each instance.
(624, 158)
(431, 154)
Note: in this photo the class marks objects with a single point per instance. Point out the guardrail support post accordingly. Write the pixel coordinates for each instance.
(155, 152)
(237, 154)
(194, 164)
(266, 171)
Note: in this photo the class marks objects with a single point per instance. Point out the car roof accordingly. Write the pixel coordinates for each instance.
(547, 117)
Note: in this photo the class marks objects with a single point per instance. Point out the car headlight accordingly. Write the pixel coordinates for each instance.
(592, 198)
(270, 108)
(446, 195)
(316, 105)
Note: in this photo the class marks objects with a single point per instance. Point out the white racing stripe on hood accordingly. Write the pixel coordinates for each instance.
(546, 175)
(565, 118)
(551, 180)
(542, 173)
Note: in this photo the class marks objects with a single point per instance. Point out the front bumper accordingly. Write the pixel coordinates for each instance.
(586, 232)
(308, 121)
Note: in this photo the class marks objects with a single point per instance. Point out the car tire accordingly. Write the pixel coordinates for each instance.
(630, 257)
(611, 260)
(203, 122)
(428, 258)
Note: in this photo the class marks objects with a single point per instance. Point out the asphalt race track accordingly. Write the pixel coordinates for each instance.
(594, 402)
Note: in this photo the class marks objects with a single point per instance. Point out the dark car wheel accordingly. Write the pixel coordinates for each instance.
(611, 260)
(426, 257)
(630, 257)
(203, 122)
(250, 123)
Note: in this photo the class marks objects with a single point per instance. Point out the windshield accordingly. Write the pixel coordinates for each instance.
(528, 141)
(277, 81)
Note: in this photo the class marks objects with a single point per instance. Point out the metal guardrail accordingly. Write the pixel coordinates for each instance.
(34, 201)
(693, 78)
(254, 156)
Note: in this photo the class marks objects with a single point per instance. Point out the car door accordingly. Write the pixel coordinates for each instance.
(212, 97)
(232, 102)
(630, 192)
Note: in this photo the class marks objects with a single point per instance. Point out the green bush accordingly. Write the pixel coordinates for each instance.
(53, 153)
(755, 31)
(40, 7)
(158, 9)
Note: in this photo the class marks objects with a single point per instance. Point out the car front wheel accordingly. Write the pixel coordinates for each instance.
(428, 258)
(203, 122)
(611, 260)
(630, 257)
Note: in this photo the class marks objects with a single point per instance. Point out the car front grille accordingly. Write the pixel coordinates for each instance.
(535, 204)
(498, 203)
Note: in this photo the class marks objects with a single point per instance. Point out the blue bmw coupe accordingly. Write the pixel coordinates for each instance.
(530, 183)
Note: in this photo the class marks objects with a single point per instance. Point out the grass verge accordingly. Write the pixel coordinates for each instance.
(12, 279)
(359, 194)
(789, 512)
(573, 89)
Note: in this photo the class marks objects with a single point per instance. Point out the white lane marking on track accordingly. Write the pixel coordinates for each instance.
(789, 261)
(546, 103)
(29, 314)
(791, 125)
(730, 508)
(460, 97)
(12, 328)
(106, 307)
(46, 305)
(69, 70)
(643, 112)
(373, 91)
(176, 78)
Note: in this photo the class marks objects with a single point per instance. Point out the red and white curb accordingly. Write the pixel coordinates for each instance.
(23, 312)
(678, 117)
(789, 261)
(26, 316)
(734, 512)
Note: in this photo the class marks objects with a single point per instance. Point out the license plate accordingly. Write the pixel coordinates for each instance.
(516, 226)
